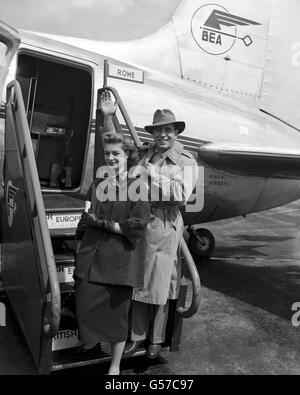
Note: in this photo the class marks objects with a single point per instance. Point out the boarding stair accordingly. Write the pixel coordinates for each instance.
(38, 278)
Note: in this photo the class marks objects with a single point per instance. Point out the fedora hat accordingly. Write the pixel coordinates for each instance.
(163, 117)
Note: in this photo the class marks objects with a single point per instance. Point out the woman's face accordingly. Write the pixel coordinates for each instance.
(115, 157)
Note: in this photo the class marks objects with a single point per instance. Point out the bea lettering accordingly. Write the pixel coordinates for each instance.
(211, 37)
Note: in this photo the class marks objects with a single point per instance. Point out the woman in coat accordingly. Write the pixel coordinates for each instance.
(110, 258)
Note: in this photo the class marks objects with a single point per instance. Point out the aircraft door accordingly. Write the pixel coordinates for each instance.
(29, 273)
(9, 43)
(58, 100)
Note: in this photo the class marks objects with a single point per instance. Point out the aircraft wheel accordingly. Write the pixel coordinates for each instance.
(201, 243)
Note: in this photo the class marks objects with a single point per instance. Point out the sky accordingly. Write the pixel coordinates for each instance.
(92, 19)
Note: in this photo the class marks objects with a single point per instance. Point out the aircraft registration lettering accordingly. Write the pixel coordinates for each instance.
(65, 339)
(126, 73)
(57, 221)
(218, 180)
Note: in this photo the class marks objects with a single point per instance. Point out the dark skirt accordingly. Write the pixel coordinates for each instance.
(102, 311)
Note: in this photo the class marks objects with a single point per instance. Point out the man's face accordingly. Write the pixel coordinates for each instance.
(164, 136)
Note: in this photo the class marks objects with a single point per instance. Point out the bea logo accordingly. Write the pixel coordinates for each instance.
(11, 205)
(215, 30)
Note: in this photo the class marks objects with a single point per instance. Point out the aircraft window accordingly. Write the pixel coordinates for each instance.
(3, 52)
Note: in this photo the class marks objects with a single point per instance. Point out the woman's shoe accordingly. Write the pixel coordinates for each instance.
(83, 351)
(113, 372)
(131, 347)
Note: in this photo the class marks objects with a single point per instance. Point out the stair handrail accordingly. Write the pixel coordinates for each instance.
(124, 113)
(15, 97)
(196, 283)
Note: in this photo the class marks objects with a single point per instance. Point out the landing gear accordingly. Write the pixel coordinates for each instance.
(201, 242)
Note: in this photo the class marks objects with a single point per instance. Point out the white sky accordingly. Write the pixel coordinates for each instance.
(93, 19)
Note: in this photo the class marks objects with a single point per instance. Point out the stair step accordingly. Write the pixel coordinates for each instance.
(65, 266)
(66, 359)
(62, 232)
(64, 258)
(65, 274)
(3, 302)
(1, 288)
(63, 222)
(66, 287)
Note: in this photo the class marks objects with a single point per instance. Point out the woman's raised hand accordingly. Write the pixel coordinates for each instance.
(106, 104)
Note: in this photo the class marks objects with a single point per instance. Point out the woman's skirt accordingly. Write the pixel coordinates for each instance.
(102, 311)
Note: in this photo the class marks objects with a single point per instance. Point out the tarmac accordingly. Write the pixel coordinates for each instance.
(244, 324)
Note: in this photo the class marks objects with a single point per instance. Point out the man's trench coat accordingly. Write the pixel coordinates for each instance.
(165, 230)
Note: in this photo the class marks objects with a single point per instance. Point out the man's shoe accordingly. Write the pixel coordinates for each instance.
(131, 347)
(153, 350)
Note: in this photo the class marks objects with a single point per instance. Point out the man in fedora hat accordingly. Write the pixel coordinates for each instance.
(173, 174)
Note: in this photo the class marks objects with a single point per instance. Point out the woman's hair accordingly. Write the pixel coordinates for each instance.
(127, 145)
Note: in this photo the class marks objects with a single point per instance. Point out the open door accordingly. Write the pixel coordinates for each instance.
(9, 43)
(28, 268)
(29, 272)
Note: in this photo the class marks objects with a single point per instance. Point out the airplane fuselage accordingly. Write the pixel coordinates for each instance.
(209, 118)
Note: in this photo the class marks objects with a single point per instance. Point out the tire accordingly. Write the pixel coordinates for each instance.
(201, 243)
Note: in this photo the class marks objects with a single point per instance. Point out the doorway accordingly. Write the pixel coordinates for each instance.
(58, 101)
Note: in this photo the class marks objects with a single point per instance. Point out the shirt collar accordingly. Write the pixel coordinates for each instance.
(173, 153)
